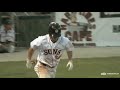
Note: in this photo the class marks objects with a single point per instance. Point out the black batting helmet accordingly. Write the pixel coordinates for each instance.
(54, 29)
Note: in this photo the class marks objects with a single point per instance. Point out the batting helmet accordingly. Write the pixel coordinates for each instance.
(54, 29)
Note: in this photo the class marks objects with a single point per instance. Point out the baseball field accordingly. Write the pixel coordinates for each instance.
(106, 66)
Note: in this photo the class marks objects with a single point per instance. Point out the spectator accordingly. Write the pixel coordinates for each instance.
(7, 37)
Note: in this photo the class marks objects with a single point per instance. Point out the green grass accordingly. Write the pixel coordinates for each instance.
(83, 68)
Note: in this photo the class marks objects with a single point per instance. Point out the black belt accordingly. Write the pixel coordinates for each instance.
(46, 65)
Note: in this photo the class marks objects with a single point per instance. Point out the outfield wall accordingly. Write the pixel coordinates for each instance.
(94, 52)
(90, 28)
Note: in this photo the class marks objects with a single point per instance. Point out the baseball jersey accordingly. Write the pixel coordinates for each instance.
(49, 52)
(7, 36)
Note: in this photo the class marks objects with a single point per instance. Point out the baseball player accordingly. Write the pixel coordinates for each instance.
(50, 48)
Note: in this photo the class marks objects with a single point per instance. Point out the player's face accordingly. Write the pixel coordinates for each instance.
(54, 38)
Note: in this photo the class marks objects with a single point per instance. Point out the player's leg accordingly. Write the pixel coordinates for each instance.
(52, 71)
(52, 74)
(44, 71)
(41, 71)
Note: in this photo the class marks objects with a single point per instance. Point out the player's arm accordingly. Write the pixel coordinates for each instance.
(29, 62)
(30, 53)
(69, 53)
(33, 46)
(69, 48)
(70, 62)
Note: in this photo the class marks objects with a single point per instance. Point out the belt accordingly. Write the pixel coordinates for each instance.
(46, 65)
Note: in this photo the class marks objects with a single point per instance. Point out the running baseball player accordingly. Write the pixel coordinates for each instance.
(50, 48)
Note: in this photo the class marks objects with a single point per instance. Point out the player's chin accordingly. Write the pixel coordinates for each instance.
(54, 39)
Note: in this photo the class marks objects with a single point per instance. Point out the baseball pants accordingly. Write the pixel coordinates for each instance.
(44, 71)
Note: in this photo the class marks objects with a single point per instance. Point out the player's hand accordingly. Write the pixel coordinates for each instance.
(29, 64)
(70, 64)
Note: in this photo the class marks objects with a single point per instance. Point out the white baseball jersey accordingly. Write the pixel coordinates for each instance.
(49, 52)
(9, 35)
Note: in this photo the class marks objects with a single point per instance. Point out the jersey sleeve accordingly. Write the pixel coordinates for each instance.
(69, 46)
(36, 42)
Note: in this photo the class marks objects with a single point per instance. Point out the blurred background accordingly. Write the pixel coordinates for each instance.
(27, 25)
(82, 28)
